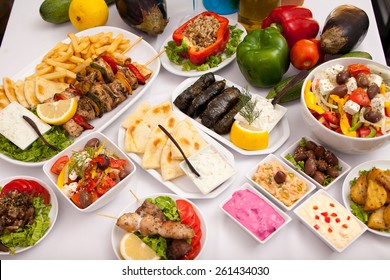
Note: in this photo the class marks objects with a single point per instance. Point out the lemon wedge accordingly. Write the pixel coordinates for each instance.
(132, 247)
(58, 112)
(248, 137)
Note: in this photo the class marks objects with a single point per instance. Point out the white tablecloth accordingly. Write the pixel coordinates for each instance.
(88, 236)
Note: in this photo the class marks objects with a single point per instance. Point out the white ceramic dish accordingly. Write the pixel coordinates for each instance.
(52, 214)
(140, 53)
(278, 135)
(247, 186)
(354, 173)
(289, 170)
(117, 233)
(183, 185)
(342, 164)
(79, 145)
(362, 227)
(177, 69)
(330, 138)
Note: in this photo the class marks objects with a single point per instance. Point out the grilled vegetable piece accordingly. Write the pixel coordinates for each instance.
(184, 99)
(345, 28)
(149, 16)
(200, 102)
(219, 106)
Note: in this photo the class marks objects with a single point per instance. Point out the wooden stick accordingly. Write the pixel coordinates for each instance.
(154, 57)
(107, 216)
(133, 44)
(136, 197)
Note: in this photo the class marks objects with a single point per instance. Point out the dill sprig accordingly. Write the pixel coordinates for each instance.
(249, 112)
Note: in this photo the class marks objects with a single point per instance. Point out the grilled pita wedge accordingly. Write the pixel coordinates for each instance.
(8, 85)
(170, 168)
(29, 93)
(157, 114)
(3, 99)
(19, 91)
(45, 89)
(137, 114)
(136, 137)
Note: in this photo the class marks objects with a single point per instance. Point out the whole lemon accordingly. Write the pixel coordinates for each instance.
(85, 14)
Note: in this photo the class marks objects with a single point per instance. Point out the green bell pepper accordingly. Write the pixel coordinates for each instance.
(263, 57)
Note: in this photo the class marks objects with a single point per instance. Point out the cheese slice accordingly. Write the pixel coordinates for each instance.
(16, 129)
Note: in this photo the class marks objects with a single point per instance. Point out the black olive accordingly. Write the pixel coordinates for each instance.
(300, 157)
(343, 76)
(330, 158)
(85, 198)
(280, 177)
(310, 166)
(122, 174)
(105, 163)
(319, 152)
(319, 177)
(373, 116)
(340, 90)
(93, 143)
(310, 145)
(362, 80)
(332, 172)
(372, 91)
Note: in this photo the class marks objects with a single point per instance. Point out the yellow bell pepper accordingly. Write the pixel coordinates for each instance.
(311, 100)
(344, 122)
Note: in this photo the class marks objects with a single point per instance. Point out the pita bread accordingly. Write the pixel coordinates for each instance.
(29, 93)
(136, 137)
(8, 85)
(156, 142)
(188, 138)
(45, 89)
(19, 91)
(157, 114)
(137, 114)
(170, 168)
(3, 99)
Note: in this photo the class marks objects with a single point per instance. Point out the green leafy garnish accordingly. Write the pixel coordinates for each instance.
(168, 206)
(359, 212)
(249, 112)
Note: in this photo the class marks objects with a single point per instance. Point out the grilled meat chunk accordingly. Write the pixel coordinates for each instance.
(104, 94)
(148, 208)
(109, 74)
(131, 78)
(85, 109)
(73, 128)
(178, 249)
(119, 90)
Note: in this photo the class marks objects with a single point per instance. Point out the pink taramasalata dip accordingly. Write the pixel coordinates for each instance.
(253, 213)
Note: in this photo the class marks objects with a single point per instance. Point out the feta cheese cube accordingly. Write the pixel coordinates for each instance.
(375, 79)
(325, 86)
(351, 107)
(351, 84)
(378, 104)
(332, 72)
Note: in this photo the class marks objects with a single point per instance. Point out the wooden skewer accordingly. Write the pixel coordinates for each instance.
(136, 197)
(133, 44)
(154, 57)
(107, 216)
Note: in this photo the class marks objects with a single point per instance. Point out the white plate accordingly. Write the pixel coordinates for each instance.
(52, 214)
(183, 185)
(117, 233)
(176, 69)
(140, 53)
(354, 173)
(290, 150)
(277, 136)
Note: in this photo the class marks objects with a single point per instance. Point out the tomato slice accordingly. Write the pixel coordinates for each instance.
(30, 187)
(40, 190)
(358, 68)
(360, 97)
(59, 164)
(117, 163)
(194, 252)
(186, 211)
(332, 117)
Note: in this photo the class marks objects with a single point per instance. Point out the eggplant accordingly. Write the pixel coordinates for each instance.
(345, 28)
(149, 16)
(200, 102)
(220, 105)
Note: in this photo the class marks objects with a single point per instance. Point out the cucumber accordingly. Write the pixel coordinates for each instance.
(56, 11)
(294, 92)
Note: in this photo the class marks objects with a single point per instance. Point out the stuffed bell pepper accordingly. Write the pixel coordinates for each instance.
(263, 57)
(294, 22)
(204, 35)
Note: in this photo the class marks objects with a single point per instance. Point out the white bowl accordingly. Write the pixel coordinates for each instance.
(334, 140)
(79, 145)
(342, 164)
(52, 214)
(290, 172)
(243, 208)
(117, 233)
(315, 220)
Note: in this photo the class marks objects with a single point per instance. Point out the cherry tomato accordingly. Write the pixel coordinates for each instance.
(30, 187)
(360, 97)
(59, 164)
(304, 54)
(358, 68)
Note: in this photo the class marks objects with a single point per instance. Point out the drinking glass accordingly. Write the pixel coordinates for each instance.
(252, 12)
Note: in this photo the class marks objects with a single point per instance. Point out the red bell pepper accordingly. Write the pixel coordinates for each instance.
(295, 23)
(81, 121)
(140, 78)
(198, 55)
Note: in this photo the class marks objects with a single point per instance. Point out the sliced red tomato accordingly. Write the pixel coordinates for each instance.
(30, 187)
(360, 97)
(186, 211)
(323, 121)
(117, 163)
(59, 165)
(332, 117)
(366, 131)
(76, 199)
(358, 68)
(194, 252)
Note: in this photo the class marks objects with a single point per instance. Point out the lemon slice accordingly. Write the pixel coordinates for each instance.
(132, 247)
(248, 137)
(58, 112)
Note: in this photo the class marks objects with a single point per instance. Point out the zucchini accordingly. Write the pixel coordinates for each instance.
(294, 92)
(56, 11)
